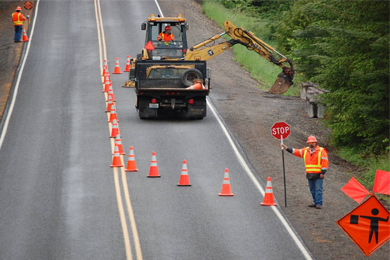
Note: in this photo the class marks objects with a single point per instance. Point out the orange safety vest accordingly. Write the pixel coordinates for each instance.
(315, 162)
(18, 18)
(166, 37)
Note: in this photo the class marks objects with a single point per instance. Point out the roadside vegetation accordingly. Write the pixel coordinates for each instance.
(341, 45)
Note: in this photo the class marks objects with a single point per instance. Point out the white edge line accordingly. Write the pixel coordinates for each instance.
(257, 184)
(11, 108)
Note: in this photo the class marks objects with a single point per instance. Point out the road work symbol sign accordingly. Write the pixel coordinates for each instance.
(368, 225)
(28, 5)
(280, 130)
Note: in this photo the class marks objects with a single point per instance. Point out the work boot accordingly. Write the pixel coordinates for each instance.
(319, 207)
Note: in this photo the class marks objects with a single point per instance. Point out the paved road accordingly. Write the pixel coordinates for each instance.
(60, 198)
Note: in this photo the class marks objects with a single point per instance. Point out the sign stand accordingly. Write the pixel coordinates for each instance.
(284, 174)
(280, 131)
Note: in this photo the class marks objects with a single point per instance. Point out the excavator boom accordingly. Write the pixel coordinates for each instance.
(248, 39)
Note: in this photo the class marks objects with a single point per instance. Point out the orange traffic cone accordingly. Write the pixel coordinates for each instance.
(109, 105)
(110, 95)
(127, 69)
(113, 115)
(184, 179)
(107, 85)
(115, 129)
(131, 164)
(116, 160)
(25, 38)
(117, 69)
(105, 68)
(118, 142)
(153, 171)
(269, 195)
(106, 79)
(226, 189)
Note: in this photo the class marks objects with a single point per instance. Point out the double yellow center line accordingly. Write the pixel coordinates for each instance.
(121, 205)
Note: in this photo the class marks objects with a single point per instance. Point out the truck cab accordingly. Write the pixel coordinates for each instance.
(159, 50)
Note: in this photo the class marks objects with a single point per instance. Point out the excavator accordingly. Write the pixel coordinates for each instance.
(208, 49)
(169, 77)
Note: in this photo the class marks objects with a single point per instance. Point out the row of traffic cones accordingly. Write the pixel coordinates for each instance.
(184, 177)
(117, 69)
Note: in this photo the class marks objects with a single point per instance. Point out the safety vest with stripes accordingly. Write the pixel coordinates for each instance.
(315, 162)
(166, 37)
(18, 18)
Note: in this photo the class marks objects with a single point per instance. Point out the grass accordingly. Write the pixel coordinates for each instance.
(258, 67)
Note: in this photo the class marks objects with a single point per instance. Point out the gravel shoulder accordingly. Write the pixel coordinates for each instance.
(249, 113)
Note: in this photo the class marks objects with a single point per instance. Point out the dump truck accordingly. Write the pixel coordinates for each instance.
(170, 77)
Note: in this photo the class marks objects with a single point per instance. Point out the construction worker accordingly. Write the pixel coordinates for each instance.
(316, 164)
(166, 35)
(17, 19)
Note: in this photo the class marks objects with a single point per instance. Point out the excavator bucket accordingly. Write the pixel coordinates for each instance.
(283, 82)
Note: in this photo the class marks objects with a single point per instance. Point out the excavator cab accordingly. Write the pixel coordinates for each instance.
(162, 49)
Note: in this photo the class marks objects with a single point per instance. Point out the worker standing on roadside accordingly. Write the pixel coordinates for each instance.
(17, 19)
(316, 164)
(166, 35)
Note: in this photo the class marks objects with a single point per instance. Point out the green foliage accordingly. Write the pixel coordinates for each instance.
(344, 46)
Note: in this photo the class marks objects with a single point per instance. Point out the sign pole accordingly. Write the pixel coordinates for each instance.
(284, 174)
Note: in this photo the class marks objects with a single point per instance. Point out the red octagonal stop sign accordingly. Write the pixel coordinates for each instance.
(280, 130)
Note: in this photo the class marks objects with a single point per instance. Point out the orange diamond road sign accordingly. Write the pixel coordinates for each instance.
(368, 225)
(28, 5)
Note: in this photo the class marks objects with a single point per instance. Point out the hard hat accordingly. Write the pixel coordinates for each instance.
(167, 27)
(311, 139)
(18, 8)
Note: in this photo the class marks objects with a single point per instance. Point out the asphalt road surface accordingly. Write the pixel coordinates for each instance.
(59, 197)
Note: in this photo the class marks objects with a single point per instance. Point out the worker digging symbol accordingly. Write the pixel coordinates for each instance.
(373, 225)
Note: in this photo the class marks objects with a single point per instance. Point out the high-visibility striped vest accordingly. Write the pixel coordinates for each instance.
(313, 168)
(18, 18)
(315, 162)
(166, 37)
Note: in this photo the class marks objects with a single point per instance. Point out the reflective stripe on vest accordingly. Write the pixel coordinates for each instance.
(17, 20)
(170, 37)
(313, 168)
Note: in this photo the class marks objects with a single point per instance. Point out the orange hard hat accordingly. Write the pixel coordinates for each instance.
(311, 139)
(18, 8)
(167, 27)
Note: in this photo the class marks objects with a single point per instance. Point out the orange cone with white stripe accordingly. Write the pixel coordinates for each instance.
(113, 115)
(127, 69)
(226, 189)
(105, 68)
(153, 171)
(110, 95)
(131, 164)
(117, 69)
(107, 84)
(109, 105)
(115, 128)
(25, 38)
(184, 179)
(116, 160)
(269, 195)
(118, 142)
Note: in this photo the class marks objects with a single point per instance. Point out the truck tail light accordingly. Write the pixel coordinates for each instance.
(191, 101)
(154, 100)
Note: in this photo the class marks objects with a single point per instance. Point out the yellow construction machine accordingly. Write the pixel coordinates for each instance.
(177, 49)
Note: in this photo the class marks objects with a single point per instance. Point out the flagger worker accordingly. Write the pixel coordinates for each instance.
(166, 35)
(17, 19)
(316, 164)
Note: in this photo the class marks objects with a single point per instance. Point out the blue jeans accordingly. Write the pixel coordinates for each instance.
(18, 32)
(316, 188)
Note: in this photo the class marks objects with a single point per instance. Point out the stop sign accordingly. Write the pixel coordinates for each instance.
(280, 130)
